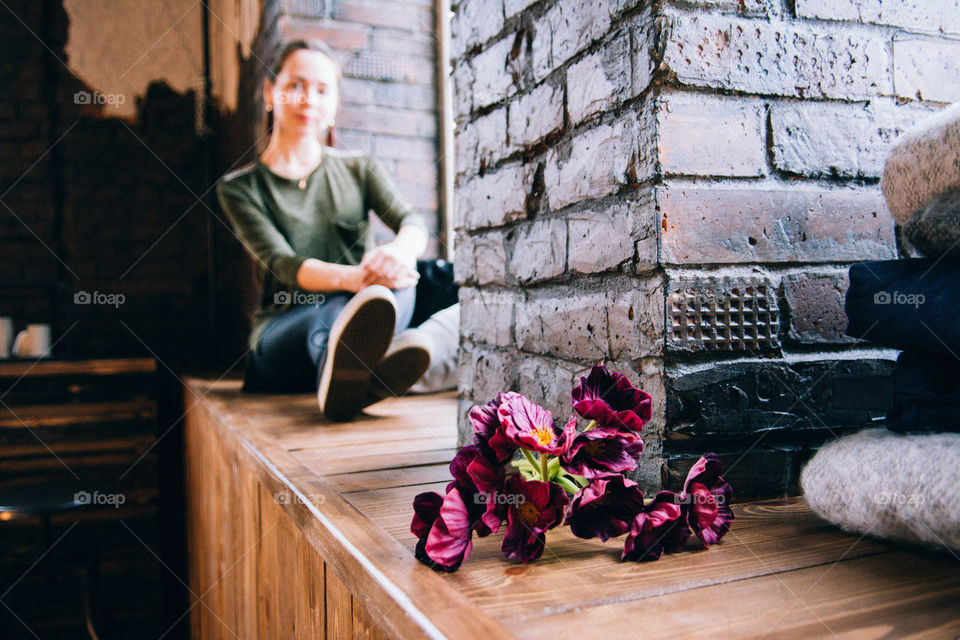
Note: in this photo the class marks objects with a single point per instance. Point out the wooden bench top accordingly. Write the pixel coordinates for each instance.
(779, 572)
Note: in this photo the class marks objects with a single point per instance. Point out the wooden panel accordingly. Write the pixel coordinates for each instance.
(893, 595)
(339, 609)
(113, 366)
(351, 489)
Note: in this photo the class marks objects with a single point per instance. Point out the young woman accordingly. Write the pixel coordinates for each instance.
(331, 302)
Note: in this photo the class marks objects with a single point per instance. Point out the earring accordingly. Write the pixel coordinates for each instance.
(269, 107)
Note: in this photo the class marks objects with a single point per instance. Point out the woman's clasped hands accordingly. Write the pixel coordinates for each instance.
(390, 265)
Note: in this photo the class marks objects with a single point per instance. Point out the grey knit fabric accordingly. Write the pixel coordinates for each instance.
(903, 487)
(923, 164)
(934, 231)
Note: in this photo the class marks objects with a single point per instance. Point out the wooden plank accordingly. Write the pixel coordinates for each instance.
(364, 627)
(903, 594)
(309, 621)
(79, 413)
(389, 478)
(339, 605)
(325, 466)
(105, 367)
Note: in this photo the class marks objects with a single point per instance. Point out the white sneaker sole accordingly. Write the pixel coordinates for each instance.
(358, 339)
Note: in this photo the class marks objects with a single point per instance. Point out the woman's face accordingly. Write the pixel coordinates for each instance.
(305, 93)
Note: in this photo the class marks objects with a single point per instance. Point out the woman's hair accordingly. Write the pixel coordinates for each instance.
(286, 50)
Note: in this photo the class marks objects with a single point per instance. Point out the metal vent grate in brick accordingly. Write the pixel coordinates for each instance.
(723, 314)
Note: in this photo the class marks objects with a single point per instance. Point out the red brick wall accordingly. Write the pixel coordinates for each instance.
(625, 168)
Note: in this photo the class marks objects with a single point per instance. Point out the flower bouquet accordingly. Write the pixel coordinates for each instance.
(565, 475)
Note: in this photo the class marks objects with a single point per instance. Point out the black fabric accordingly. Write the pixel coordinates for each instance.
(912, 305)
(436, 289)
(926, 393)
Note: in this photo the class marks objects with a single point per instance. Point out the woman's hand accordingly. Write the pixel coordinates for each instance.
(391, 265)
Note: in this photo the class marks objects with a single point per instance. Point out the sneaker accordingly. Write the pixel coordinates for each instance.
(405, 362)
(358, 339)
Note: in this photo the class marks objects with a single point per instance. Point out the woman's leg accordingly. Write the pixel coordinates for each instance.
(280, 362)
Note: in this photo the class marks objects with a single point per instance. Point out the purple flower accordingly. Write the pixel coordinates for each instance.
(602, 451)
(531, 426)
(608, 398)
(658, 528)
(706, 500)
(488, 432)
(448, 541)
(478, 482)
(535, 507)
(604, 508)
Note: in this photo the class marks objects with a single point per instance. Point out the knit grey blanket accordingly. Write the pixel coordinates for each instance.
(902, 487)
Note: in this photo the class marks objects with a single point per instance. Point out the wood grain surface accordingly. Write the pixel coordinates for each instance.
(300, 528)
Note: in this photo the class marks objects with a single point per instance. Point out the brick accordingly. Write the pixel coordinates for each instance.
(487, 316)
(728, 225)
(548, 382)
(926, 69)
(486, 372)
(385, 146)
(743, 7)
(642, 43)
(778, 58)
(420, 173)
(600, 240)
(846, 140)
(589, 89)
(572, 326)
(389, 121)
(473, 24)
(540, 252)
(623, 322)
(535, 116)
(481, 142)
(404, 96)
(422, 44)
(937, 16)
(400, 16)
(513, 7)
(815, 304)
(462, 81)
(495, 73)
(491, 259)
(599, 162)
(494, 199)
(711, 136)
(464, 259)
(568, 27)
(340, 36)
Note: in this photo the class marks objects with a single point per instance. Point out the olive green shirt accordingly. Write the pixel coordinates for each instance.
(282, 224)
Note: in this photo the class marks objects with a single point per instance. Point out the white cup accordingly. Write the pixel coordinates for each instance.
(33, 342)
(6, 336)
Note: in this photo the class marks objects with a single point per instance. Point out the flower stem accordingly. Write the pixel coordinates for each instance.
(544, 463)
(529, 456)
(590, 425)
